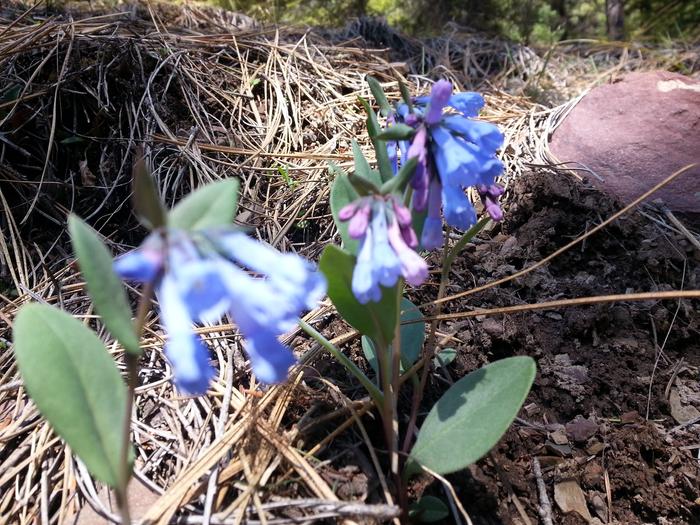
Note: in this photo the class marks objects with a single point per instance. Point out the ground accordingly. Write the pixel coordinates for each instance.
(600, 412)
(612, 419)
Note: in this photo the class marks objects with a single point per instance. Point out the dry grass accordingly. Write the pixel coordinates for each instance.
(212, 95)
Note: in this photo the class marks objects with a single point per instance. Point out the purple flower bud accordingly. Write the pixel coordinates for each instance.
(489, 197)
(439, 97)
(413, 267)
(357, 226)
(348, 210)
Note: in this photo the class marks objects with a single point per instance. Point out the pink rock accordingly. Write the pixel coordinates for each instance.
(636, 132)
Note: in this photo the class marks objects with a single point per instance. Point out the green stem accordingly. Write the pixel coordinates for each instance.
(132, 375)
(459, 246)
(429, 349)
(371, 388)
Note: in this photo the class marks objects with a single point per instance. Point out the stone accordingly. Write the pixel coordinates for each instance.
(636, 132)
(570, 498)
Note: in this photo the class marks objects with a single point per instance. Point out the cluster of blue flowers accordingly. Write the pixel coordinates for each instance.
(387, 243)
(201, 276)
(454, 151)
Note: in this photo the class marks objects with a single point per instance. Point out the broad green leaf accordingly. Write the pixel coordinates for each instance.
(397, 132)
(412, 338)
(428, 509)
(444, 357)
(211, 205)
(472, 416)
(376, 320)
(343, 193)
(376, 89)
(103, 285)
(75, 384)
(147, 202)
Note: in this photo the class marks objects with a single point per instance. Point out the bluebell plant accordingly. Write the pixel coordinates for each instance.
(389, 211)
(387, 245)
(200, 277)
(455, 151)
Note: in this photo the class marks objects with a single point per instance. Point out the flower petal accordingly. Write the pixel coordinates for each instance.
(439, 96)
(269, 358)
(459, 212)
(467, 102)
(184, 349)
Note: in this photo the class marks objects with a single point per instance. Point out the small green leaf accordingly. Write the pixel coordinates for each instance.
(370, 354)
(376, 320)
(376, 89)
(412, 334)
(428, 509)
(103, 285)
(362, 167)
(412, 338)
(374, 129)
(405, 94)
(399, 183)
(444, 357)
(397, 131)
(472, 416)
(342, 194)
(75, 384)
(363, 186)
(211, 205)
(147, 202)
(73, 139)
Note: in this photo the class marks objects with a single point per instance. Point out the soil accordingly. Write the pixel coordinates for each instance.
(592, 416)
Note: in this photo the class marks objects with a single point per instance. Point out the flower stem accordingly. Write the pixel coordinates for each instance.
(429, 350)
(132, 375)
(372, 390)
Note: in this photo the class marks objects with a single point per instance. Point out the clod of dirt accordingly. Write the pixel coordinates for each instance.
(634, 146)
(581, 430)
(570, 498)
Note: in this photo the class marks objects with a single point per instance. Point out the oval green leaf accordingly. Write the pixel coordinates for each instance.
(428, 509)
(103, 285)
(397, 131)
(75, 384)
(470, 418)
(444, 357)
(147, 202)
(211, 205)
(376, 320)
(378, 92)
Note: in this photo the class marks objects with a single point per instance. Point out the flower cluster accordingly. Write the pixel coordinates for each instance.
(387, 242)
(201, 276)
(454, 152)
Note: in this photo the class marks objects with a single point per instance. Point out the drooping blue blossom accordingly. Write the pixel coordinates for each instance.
(383, 225)
(202, 276)
(455, 152)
